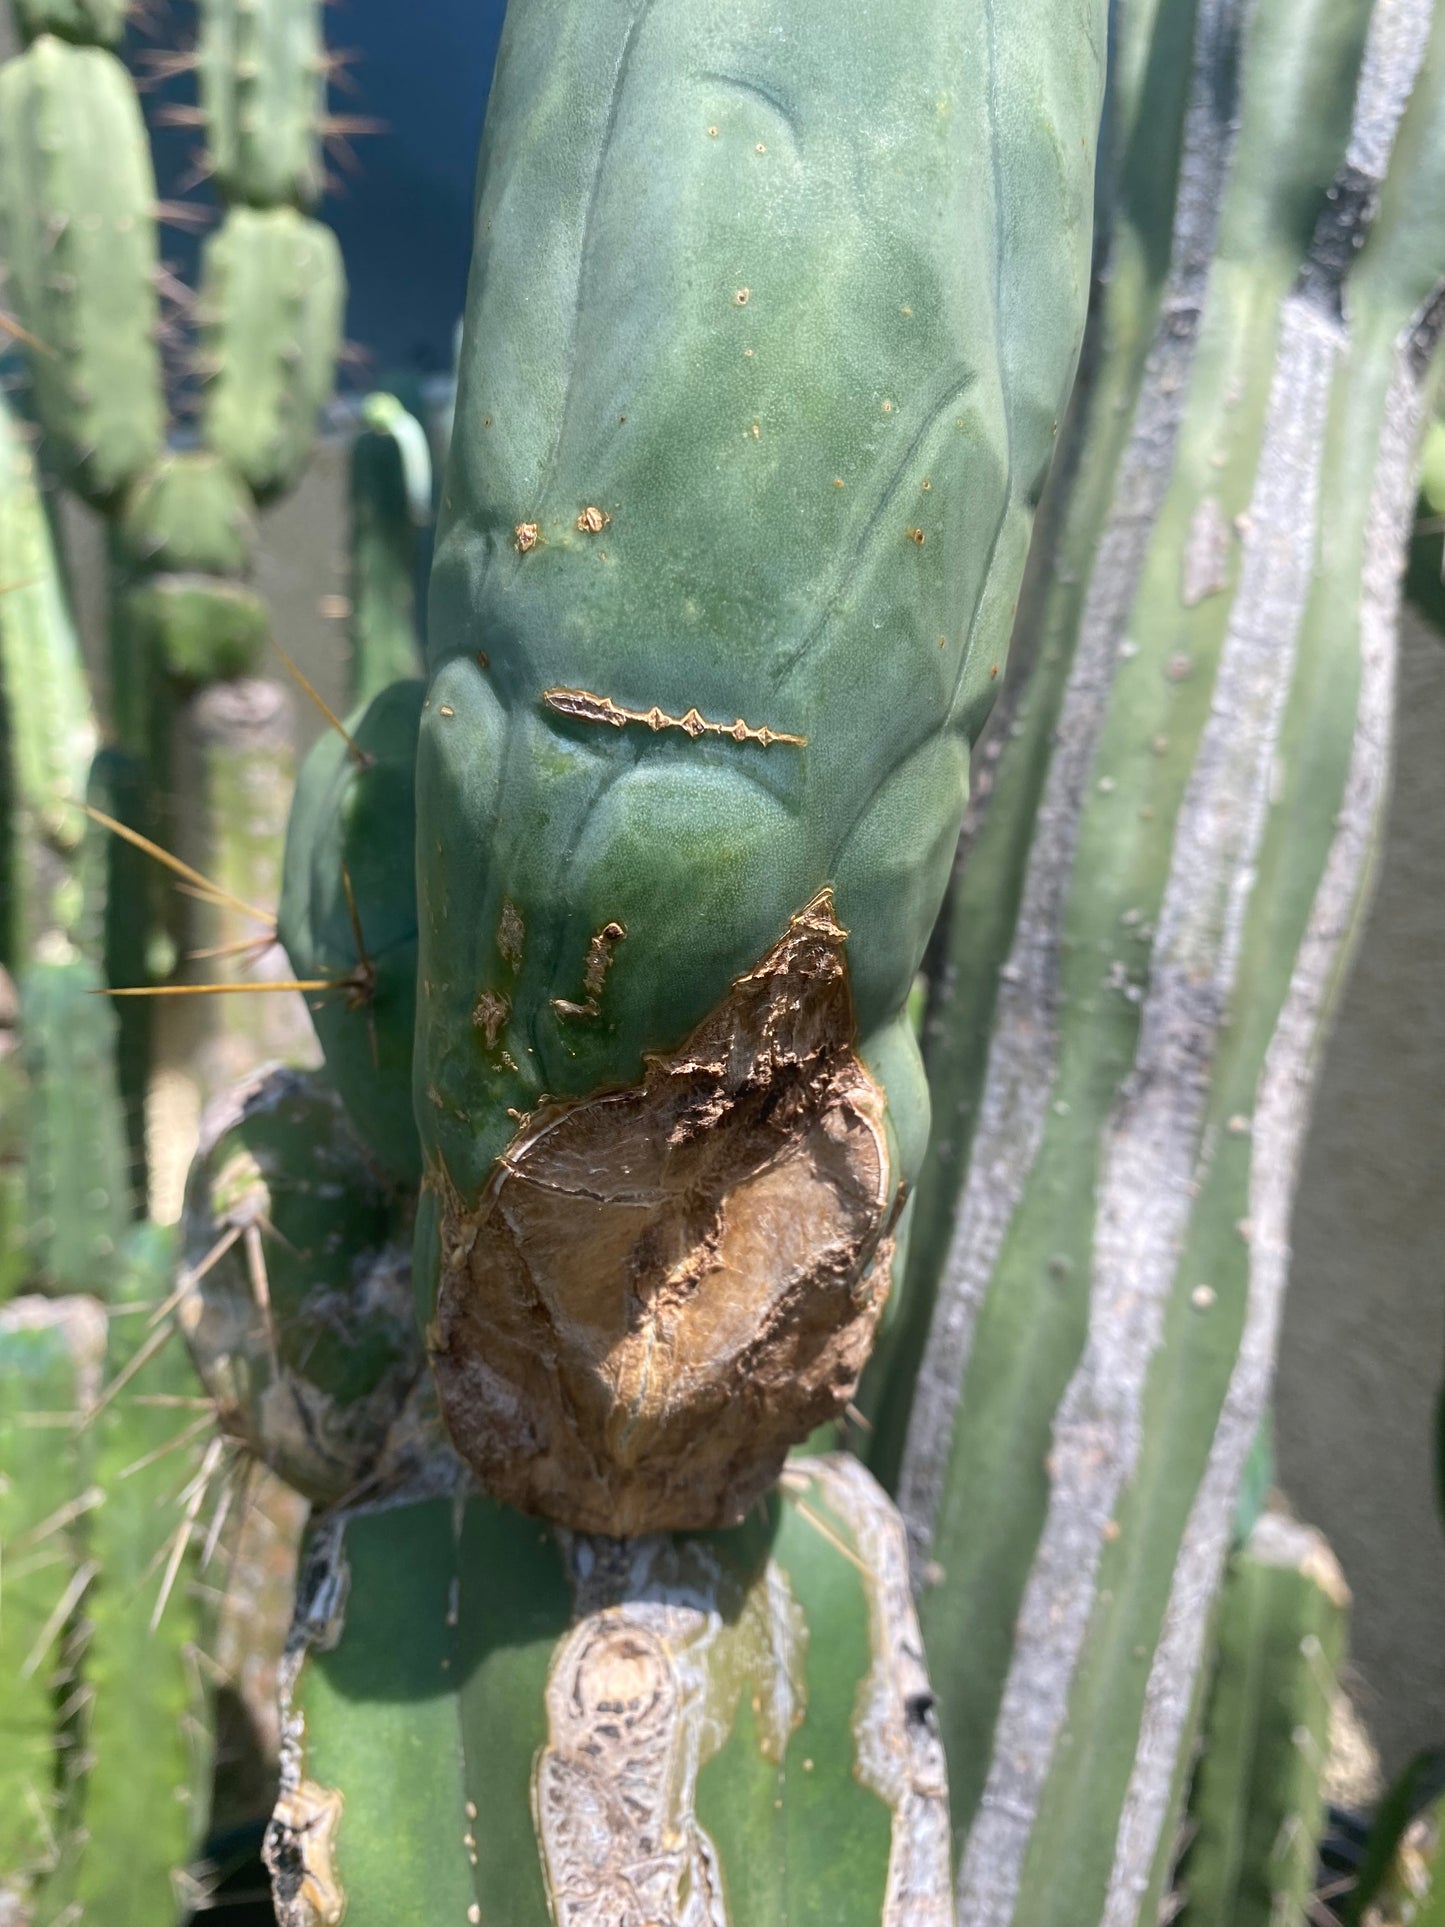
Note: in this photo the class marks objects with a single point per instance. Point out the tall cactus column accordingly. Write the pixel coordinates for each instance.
(1197, 849)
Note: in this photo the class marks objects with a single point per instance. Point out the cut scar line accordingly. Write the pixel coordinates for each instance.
(584, 707)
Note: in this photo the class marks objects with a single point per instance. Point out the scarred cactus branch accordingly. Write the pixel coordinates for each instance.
(783, 535)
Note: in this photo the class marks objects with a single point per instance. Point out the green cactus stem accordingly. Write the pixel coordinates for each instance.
(1256, 1806)
(143, 1735)
(198, 629)
(348, 912)
(236, 739)
(14, 1203)
(50, 731)
(300, 1318)
(485, 1719)
(391, 491)
(77, 229)
(50, 1365)
(1194, 821)
(77, 1159)
(117, 881)
(723, 589)
(190, 515)
(270, 307)
(262, 69)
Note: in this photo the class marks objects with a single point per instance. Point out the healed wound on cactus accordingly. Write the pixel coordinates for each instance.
(666, 1287)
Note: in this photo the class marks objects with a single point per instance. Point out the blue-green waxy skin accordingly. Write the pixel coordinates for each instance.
(749, 431)
(738, 284)
(349, 871)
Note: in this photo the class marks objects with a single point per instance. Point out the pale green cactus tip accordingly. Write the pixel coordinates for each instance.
(270, 308)
(390, 501)
(299, 1316)
(710, 639)
(262, 69)
(759, 1694)
(78, 232)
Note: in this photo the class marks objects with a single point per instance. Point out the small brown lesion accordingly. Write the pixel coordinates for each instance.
(594, 973)
(528, 535)
(592, 520)
(300, 1853)
(511, 934)
(489, 1013)
(599, 956)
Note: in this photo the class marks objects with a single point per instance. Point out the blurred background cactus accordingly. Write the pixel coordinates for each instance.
(1023, 1636)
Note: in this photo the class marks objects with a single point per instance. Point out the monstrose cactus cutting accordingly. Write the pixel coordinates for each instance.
(737, 500)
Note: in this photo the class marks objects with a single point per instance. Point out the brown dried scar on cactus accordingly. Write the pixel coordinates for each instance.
(594, 973)
(300, 1852)
(663, 1288)
(584, 707)
(511, 934)
(489, 1013)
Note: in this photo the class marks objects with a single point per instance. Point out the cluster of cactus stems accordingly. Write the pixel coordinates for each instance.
(113, 1482)
(614, 1210)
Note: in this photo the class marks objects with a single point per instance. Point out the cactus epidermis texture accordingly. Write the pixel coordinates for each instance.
(77, 230)
(724, 1731)
(723, 590)
(50, 1364)
(77, 1164)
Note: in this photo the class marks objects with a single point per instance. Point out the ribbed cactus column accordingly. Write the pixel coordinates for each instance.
(1199, 811)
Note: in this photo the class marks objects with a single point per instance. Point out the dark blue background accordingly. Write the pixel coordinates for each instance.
(404, 219)
(403, 216)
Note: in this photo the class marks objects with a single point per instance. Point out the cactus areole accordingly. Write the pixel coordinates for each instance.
(773, 310)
